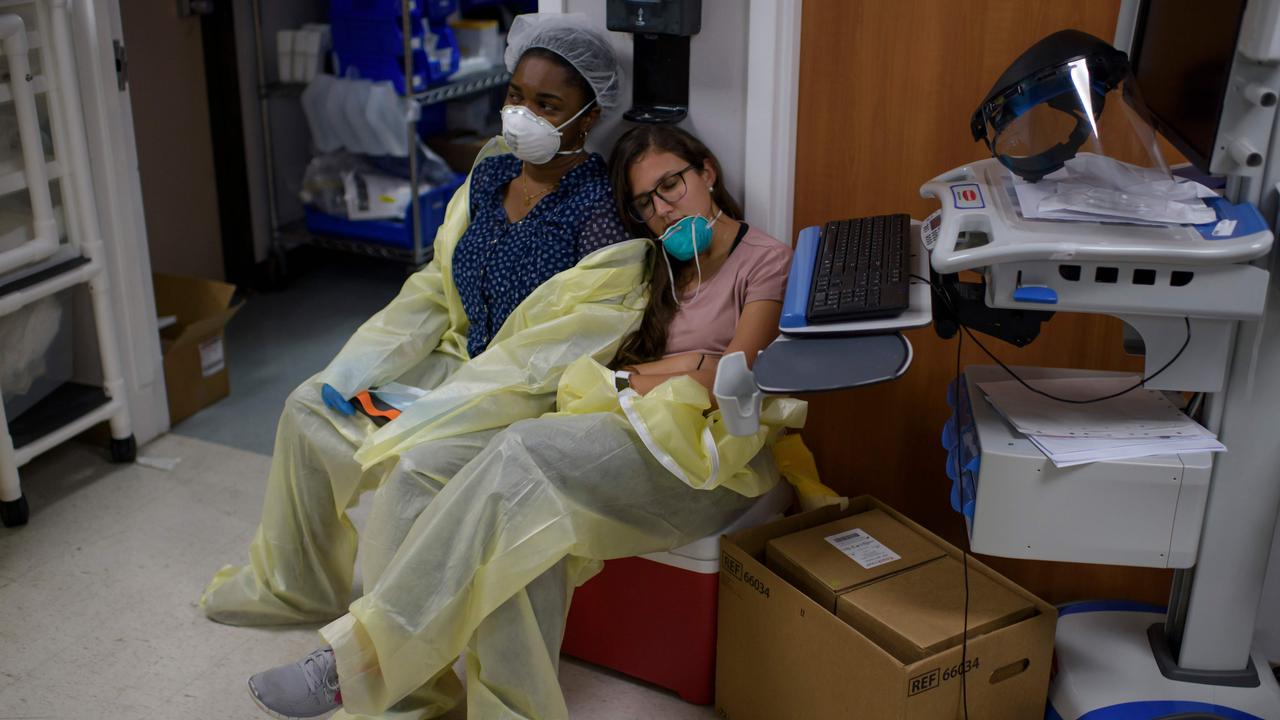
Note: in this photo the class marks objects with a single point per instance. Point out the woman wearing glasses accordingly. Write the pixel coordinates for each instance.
(489, 567)
(718, 284)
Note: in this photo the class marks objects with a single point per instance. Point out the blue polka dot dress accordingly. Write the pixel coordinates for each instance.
(497, 263)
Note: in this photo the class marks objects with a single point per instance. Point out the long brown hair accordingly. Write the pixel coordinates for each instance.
(649, 341)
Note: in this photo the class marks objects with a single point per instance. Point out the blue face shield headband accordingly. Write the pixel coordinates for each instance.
(1069, 71)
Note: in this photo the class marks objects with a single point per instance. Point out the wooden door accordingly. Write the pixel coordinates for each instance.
(886, 91)
(175, 147)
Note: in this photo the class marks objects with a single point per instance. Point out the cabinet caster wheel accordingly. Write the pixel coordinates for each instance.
(124, 451)
(14, 513)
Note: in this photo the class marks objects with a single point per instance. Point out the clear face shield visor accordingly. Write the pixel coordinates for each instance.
(1035, 125)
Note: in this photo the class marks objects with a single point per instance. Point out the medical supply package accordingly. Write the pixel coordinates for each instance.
(921, 611)
(195, 359)
(780, 653)
(831, 559)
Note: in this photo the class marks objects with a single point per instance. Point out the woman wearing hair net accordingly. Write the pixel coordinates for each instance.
(531, 271)
(631, 463)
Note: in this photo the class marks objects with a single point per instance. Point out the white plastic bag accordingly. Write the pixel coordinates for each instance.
(25, 337)
(387, 117)
(358, 115)
(315, 102)
(355, 104)
(375, 197)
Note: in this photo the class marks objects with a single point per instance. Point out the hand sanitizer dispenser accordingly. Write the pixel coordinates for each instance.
(660, 62)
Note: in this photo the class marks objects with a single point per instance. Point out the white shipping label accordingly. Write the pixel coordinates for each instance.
(862, 548)
(212, 360)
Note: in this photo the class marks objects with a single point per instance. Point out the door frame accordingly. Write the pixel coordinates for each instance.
(113, 159)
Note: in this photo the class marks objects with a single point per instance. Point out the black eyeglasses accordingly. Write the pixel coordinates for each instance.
(670, 188)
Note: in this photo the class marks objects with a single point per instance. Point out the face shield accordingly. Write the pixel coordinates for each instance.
(1048, 105)
(1047, 117)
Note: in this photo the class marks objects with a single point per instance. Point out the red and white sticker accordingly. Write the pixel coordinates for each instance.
(967, 196)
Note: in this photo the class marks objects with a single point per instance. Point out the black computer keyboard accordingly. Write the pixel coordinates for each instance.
(861, 269)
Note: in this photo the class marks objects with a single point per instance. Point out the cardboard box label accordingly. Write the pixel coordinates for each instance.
(734, 569)
(934, 679)
(862, 548)
(212, 359)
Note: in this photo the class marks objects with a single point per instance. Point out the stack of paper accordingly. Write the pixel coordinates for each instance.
(1136, 424)
(1096, 188)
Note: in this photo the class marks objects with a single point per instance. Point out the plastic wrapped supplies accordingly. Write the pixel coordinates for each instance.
(344, 186)
(358, 115)
(25, 338)
(1095, 187)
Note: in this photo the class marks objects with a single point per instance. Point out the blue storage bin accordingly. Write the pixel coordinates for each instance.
(390, 233)
(372, 63)
(440, 10)
(518, 8)
(435, 10)
(964, 456)
(384, 9)
(364, 36)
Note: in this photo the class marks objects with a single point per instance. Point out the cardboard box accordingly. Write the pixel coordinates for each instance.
(780, 654)
(921, 612)
(195, 364)
(836, 557)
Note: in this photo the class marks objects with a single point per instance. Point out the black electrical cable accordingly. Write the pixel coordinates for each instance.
(964, 634)
(955, 316)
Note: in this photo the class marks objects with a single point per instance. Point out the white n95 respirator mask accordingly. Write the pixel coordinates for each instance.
(531, 138)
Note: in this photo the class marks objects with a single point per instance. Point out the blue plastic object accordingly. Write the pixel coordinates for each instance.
(1148, 709)
(795, 304)
(968, 494)
(1036, 294)
(382, 9)
(373, 50)
(439, 10)
(1089, 606)
(426, 71)
(389, 233)
(963, 454)
(516, 7)
(974, 465)
(367, 36)
(949, 437)
(334, 400)
(1248, 219)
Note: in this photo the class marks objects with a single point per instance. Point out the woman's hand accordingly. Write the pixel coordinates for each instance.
(757, 327)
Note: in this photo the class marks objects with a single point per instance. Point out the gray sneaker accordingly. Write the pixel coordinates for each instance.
(305, 689)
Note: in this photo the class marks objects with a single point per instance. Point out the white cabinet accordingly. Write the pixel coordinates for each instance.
(73, 261)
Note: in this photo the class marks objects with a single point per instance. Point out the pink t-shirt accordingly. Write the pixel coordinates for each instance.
(755, 270)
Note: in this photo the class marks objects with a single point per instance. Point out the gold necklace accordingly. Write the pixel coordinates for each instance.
(530, 197)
